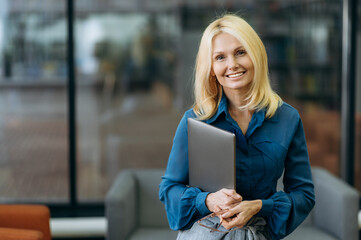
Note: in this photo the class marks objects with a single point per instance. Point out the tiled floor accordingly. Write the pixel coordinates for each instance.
(111, 132)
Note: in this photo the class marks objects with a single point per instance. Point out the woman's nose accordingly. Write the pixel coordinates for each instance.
(233, 64)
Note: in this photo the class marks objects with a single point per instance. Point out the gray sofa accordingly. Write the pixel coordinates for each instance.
(133, 209)
(134, 212)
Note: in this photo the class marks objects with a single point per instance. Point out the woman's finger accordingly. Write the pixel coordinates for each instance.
(229, 223)
(233, 210)
(217, 209)
(232, 193)
(228, 214)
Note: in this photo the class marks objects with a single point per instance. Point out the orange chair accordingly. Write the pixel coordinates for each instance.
(25, 222)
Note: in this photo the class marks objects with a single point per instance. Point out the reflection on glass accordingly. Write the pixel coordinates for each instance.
(33, 120)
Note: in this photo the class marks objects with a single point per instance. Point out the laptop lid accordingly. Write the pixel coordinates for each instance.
(211, 157)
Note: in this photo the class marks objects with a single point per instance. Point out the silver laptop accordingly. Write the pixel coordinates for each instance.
(211, 156)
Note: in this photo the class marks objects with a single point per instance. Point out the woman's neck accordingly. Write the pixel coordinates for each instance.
(236, 99)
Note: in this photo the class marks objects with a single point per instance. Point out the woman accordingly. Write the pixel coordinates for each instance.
(232, 91)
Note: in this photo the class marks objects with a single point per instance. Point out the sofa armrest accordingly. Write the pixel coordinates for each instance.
(337, 205)
(26, 216)
(120, 204)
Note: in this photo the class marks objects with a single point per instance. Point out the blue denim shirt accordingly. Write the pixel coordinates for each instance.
(269, 147)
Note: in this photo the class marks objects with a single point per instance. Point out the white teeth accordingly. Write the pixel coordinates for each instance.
(235, 75)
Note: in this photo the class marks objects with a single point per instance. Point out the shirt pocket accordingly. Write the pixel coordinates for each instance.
(267, 160)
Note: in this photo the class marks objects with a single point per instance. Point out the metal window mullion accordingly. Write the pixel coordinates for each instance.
(349, 19)
(71, 105)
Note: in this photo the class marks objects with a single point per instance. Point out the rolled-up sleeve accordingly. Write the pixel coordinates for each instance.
(184, 205)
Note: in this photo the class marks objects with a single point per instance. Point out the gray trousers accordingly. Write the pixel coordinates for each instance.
(256, 229)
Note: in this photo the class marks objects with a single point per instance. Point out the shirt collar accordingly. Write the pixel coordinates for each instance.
(222, 108)
(257, 118)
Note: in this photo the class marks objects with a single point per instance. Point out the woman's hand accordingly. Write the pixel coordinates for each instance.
(223, 199)
(240, 213)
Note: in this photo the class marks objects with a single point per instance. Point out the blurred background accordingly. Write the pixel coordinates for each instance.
(134, 63)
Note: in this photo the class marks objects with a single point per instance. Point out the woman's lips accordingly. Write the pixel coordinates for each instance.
(235, 75)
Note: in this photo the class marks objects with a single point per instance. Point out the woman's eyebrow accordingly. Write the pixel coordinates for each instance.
(217, 52)
(238, 48)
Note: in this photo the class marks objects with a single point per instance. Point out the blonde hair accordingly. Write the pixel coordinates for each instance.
(207, 90)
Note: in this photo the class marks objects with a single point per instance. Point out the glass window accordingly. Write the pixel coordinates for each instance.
(135, 66)
(303, 41)
(33, 105)
(127, 63)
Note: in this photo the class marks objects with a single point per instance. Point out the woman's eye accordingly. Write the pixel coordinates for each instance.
(219, 57)
(241, 52)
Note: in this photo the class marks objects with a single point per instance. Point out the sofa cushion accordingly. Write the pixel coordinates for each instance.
(154, 234)
(309, 233)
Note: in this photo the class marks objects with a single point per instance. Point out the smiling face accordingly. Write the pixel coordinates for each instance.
(231, 64)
